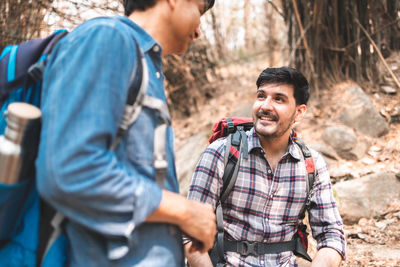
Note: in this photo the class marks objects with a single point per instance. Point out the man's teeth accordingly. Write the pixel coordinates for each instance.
(267, 118)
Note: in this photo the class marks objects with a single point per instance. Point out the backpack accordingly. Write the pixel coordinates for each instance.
(26, 237)
(236, 148)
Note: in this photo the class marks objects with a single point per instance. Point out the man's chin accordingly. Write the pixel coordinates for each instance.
(265, 132)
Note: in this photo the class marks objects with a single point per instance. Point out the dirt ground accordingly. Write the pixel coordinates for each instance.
(370, 242)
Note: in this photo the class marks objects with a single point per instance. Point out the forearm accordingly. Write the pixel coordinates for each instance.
(195, 219)
(327, 257)
(173, 209)
(197, 259)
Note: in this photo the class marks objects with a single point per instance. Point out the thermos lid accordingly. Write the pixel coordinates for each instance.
(23, 111)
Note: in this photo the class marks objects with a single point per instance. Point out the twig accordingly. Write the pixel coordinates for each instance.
(277, 9)
(378, 52)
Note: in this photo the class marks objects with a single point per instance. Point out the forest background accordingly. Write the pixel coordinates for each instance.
(337, 44)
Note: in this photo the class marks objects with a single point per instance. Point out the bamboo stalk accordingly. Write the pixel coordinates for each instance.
(308, 54)
(378, 52)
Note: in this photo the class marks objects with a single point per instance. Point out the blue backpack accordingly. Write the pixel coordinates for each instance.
(21, 72)
(27, 237)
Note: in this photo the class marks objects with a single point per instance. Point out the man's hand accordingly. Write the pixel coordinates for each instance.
(327, 257)
(197, 220)
(196, 258)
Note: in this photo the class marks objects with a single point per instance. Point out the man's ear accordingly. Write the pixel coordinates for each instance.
(172, 3)
(300, 112)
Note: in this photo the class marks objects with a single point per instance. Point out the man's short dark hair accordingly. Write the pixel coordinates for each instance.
(287, 75)
(132, 5)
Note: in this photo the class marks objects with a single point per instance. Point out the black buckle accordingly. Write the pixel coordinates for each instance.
(249, 248)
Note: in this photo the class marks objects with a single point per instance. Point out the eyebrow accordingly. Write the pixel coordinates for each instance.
(281, 95)
(275, 94)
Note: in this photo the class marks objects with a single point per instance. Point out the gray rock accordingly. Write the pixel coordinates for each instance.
(357, 152)
(360, 113)
(325, 150)
(341, 138)
(187, 157)
(388, 89)
(345, 142)
(367, 196)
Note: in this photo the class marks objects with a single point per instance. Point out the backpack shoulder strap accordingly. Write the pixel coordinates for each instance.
(235, 147)
(310, 168)
(137, 90)
(36, 50)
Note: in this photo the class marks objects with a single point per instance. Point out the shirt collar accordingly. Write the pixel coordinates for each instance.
(254, 144)
(145, 40)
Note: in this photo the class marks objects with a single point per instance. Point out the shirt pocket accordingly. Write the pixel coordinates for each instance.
(141, 138)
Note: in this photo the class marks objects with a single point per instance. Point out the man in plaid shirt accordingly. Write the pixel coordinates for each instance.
(270, 192)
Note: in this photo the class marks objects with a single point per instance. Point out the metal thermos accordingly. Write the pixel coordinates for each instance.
(18, 145)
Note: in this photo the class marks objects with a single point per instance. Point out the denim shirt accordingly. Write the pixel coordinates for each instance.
(106, 195)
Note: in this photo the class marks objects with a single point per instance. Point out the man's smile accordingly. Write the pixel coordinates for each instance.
(267, 116)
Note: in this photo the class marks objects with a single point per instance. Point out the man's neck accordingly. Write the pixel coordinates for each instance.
(152, 21)
(274, 148)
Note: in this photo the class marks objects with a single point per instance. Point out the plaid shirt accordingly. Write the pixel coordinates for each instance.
(264, 206)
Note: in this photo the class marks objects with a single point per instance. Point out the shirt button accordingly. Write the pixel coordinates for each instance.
(269, 171)
(158, 75)
(156, 48)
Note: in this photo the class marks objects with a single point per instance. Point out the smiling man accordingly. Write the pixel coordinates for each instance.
(122, 205)
(265, 204)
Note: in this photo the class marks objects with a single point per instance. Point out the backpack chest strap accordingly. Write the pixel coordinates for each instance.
(246, 248)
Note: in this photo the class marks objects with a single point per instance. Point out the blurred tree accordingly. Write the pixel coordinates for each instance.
(21, 20)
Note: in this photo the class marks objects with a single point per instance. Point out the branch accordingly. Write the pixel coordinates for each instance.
(378, 52)
(277, 9)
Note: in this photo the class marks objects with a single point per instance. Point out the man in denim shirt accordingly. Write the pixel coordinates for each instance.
(116, 214)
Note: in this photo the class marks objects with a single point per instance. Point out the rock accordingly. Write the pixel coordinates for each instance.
(360, 113)
(340, 137)
(345, 142)
(367, 196)
(388, 89)
(357, 152)
(339, 173)
(187, 157)
(325, 150)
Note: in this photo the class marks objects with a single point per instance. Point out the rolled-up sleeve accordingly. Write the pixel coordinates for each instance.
(84, 94)
(324, 217)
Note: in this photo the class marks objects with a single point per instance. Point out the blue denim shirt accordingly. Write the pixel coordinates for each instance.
(106, 195)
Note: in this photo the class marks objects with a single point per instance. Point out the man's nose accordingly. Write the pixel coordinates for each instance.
(267, 104)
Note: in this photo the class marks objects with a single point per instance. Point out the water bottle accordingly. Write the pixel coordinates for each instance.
(18, 145)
